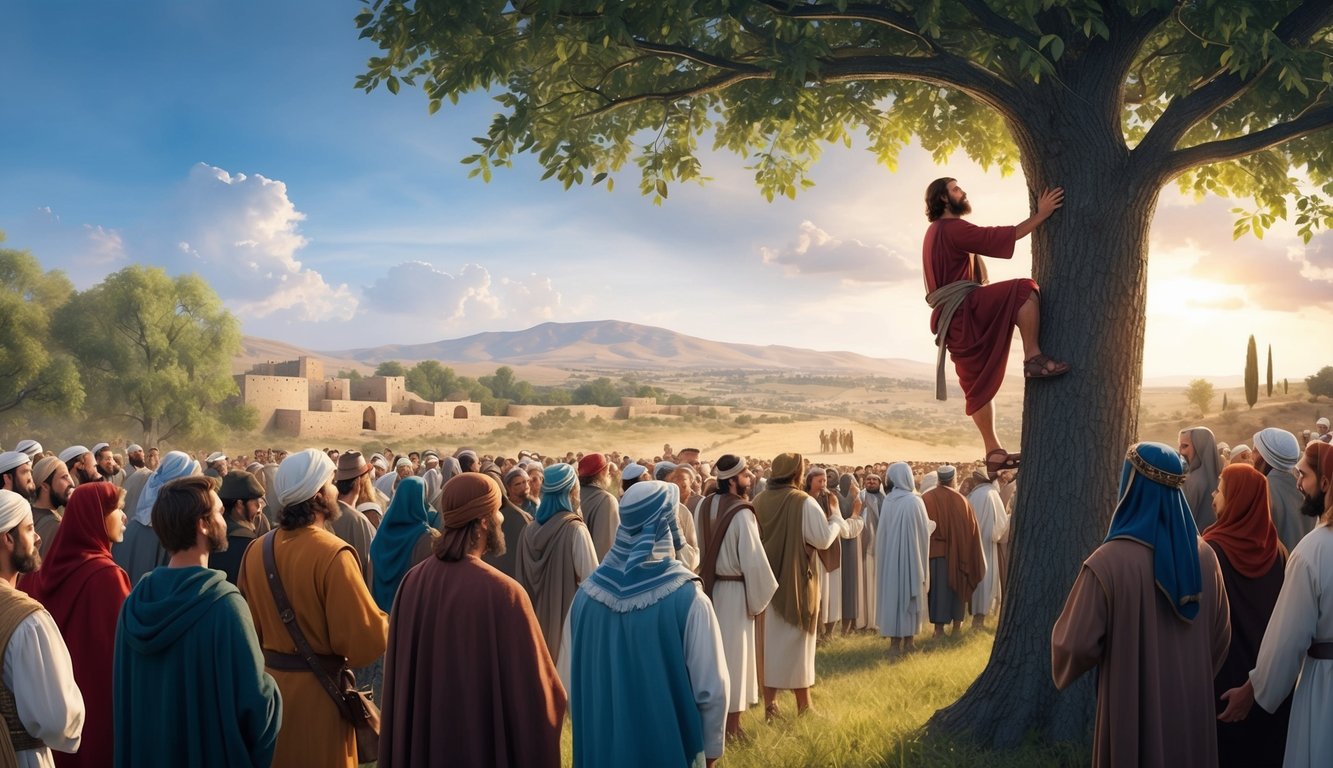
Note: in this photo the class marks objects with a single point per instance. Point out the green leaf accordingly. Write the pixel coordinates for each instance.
(392, 83)
(598, 178)
(661, 188)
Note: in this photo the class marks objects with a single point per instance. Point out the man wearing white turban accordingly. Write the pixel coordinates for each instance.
(16, 474)
(41, 705)
(334, 609)
(141, 551)
(1276, 452)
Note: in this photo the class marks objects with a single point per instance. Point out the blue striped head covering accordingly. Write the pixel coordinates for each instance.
(175, 464)
(1153, 511)
(557, 481)
(641, 568)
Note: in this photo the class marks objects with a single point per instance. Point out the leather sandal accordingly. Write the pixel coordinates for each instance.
(1043, 367)
(1006, 461)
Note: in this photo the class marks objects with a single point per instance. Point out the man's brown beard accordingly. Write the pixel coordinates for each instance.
(961, 208)
(495, 542)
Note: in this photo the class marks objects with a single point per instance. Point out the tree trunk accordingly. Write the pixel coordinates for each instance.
(1090, 260)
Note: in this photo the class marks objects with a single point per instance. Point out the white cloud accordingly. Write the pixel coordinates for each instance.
(816, 252)
(468, 301)
(241, 234)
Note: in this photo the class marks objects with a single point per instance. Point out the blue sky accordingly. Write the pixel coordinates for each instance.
(227, 139)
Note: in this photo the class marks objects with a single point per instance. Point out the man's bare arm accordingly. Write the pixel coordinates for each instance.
(1049, 201)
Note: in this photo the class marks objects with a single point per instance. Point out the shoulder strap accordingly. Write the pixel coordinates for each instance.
(288, 617)
(713, 536)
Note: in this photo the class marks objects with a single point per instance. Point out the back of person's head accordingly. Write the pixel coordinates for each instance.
(180, 505)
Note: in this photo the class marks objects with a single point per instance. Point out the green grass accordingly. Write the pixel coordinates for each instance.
(870, 711)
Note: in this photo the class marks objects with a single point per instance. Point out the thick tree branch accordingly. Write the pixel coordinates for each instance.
(1229, 149)
(695, 55)
(1003, 26)
(873, 14)
(710, 85)
(1185, 112)
(976, 82)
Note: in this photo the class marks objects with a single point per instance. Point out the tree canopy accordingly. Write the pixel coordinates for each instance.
(1212, 91)
(156, 351)
(34, 371)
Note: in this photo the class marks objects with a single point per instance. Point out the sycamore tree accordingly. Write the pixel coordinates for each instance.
(1111, 100)
(155, 351)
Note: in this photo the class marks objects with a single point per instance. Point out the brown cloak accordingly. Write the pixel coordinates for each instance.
(956, 538)
(545, 568)
(780, 512)
(467, 678)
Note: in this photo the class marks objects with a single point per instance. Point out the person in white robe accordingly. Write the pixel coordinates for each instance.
(789, 649)
(1297, 649)
(830, 581)
(872, 498)
(902, 560)
(993, 526)
(37, 675)
(738, 579)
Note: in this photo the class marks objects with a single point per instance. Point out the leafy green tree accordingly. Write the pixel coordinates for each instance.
(1321, 383)
(600, 391)
(34, 372)
(1251, 373)
(1200, 395)
(391, 368)
(432, 381)
(502, 384)
(1270, 370)
(351, 375)
(1111, 100)
(155, 351)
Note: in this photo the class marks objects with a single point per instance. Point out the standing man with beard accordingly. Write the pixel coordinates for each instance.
(54, 487)
(468, 677)
(872, 497)
(1297, 649)
(79, 461)
(736, 577)
(974, 319)
(16, 474)
(601, 510)
(516, 518)
(1275, 455)
(107, 468)
(43, 708)
(332, 607)
(190, 685)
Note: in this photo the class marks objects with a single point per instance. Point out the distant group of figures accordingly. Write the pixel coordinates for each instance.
(836, 441)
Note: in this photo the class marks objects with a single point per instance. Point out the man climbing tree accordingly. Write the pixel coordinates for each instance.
(975, 320)
(1111, 100)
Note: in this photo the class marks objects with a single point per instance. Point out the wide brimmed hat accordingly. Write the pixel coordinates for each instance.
(351, 464)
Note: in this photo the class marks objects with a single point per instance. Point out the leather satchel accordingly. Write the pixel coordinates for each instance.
(353, 704)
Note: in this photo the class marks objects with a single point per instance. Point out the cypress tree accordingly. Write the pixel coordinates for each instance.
(1270, 370)
(1251, 373)
(1224, 401)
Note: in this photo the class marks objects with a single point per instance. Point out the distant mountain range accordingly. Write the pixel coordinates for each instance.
(605, 344)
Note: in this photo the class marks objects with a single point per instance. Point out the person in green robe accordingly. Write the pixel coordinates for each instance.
(189, 681)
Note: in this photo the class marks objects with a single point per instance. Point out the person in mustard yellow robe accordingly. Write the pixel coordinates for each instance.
(334, 609)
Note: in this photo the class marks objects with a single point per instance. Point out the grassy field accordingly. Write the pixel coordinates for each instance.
(869, 711)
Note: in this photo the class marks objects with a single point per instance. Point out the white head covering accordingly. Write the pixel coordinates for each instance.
(402, 461)
(216, 456)
(1322, 421)
(13, 460)
(133, 448)
(929, 480)
(99, 447)
(301, 475)
(1279, 448)
(175, 464)
(73, 452)
(30, 447)
(14, 510)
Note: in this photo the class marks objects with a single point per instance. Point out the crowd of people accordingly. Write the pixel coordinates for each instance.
(278, 600)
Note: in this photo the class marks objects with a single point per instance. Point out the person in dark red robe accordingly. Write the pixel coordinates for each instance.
(468, 679)
(975, 320)
(1252, 560)
(83, 589)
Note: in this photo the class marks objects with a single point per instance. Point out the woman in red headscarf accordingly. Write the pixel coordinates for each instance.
(1252, 560)
(83, 589)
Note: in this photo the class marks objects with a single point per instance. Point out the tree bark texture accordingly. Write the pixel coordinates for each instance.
(1090, 261)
